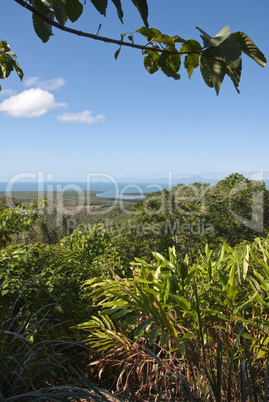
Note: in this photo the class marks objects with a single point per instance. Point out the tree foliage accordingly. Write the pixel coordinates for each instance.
(190, 216)
(217, 56)
(8, 62)
(182, 325)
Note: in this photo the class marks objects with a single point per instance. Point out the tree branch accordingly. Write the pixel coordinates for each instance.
(92, 36)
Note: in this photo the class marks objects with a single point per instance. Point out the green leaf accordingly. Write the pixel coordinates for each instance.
(232, 275)
(141, 327)
(245, 264)
(191, 45)
(178, 39)
(6, 66)
(170, 64)
(166, 40)
(42, 28)
(60, 11)
(234, 74)
(120, 314)
(154, 334)
(142, 7)
(191, 60)
(183, 267)
(4, 291)
(150, 33)
(232, 292)
(151, 62)
(116, 55)
(228, 51)
(117, 4)
(217, 39)
(100, 6)
(74, 9)
(249, 48)
(206, 72)
(216, 69)
(8, 62)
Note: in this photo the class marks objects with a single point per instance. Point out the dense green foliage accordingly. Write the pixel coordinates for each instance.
(208, 316)
(190, 216)
(187, 320)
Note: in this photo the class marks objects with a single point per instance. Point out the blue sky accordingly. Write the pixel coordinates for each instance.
(79, 111)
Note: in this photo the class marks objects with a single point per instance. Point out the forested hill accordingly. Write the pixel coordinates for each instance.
(178, 280)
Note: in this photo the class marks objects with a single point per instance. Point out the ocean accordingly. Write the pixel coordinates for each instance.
(107, 189)
(123, 190)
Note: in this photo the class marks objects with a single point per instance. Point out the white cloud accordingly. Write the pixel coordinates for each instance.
(85, 117)
(47, 85)
(32, 102)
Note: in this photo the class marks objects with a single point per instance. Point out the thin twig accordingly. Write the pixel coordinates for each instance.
(92, 36)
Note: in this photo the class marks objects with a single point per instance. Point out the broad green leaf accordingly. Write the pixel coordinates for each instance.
(4, 292)
(261, 354)
(191, 46)
(160, 257)
(206, 72)
(191, 60)
(142, 7)
(234, 74)
(170, 64)
(74, 9)
(117, 4)
(217, 39)
(228, 51)
(42, 6)
(6, 66)
(249, 48)
(216, 69)
(42, 28)
(60, 11)
(232, 292)
(183, 303)
(150, 33)
(166, 40)
(100, 6)
(178, 39)
(151, 62)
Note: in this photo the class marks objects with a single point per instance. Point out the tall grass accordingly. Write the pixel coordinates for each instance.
(36, 366)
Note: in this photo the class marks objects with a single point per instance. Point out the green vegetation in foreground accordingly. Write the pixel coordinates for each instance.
(189, 323)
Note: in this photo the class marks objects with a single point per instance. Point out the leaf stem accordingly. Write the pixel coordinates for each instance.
(96, 37)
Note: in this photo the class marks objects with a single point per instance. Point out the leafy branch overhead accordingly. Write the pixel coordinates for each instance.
(8, 62)
(218, 56)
